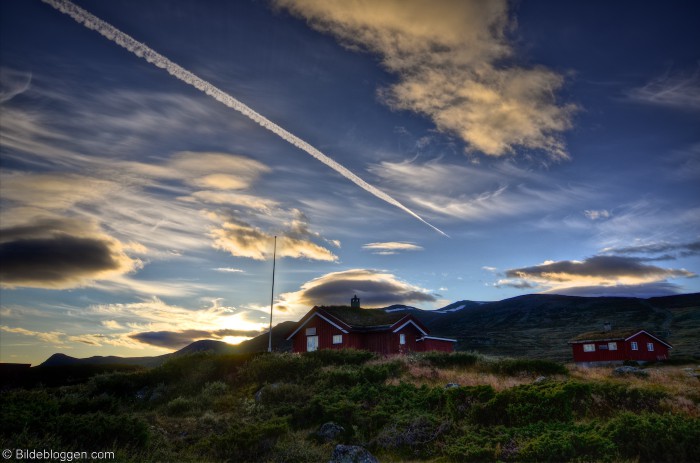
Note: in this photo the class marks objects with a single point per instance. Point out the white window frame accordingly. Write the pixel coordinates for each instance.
(589, 347)
(402, 338)
(337, 339)
(634, 345)
(311, 331)
(650, 346)
(311, 343)
(612, 346)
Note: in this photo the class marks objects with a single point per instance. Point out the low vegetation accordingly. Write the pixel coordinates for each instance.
(429, 407)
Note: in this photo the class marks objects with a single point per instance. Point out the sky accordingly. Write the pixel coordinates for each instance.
(410, 152)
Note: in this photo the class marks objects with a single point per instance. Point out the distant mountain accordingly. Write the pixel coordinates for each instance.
(256, 344)
(535, 325)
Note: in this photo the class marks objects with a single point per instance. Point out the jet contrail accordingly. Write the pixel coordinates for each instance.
(143, 51)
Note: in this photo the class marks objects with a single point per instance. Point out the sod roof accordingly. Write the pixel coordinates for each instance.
(612, 335)
(364, 318)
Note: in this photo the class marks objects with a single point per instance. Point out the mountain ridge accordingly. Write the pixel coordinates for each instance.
(530, 325)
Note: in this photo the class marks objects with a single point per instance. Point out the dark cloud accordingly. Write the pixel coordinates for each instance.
(519, 284)
(684, 249)
(606, 267)
(179, 339)
(642, 291)
(60, 261)
(375, 288)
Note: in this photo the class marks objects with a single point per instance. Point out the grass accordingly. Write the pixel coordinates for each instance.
(268, 407)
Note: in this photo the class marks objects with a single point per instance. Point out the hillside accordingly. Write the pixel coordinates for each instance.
(534, 326)
(430, 407)
(540, 326)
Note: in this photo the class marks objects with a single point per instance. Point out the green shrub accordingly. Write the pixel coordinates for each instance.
(650, 437)
(412, 436)
(272, 368)
(100, 430)
(246, 442)
(530, 403)
(460, 401)
(181, 406)
(572, 444)
(341, 356)
(215, 389)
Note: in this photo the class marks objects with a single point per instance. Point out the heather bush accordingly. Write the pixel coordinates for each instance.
(648, 437)
(341, 356)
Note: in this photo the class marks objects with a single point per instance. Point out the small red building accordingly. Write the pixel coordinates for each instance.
(616, 346)
(367, 329)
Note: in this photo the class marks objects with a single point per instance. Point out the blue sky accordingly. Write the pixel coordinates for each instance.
(556, 143)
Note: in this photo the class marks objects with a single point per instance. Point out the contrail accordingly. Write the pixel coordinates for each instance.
(143, 51)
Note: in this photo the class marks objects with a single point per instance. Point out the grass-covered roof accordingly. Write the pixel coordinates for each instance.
(363, 317)
(605, 335)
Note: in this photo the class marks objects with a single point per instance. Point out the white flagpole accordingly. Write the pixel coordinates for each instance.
(272, 293)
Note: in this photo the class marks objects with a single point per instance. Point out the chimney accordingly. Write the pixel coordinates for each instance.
(607, 326)
(355, 302)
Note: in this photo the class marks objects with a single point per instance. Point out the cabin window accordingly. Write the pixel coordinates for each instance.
(311, 331)
(650, 346)
(603, 347)
(589, 347)
(311, 343)
(337, 339)
(612, 346)
(402, 338)
(634, 346)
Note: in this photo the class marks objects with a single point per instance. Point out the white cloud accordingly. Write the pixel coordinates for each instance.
(391, 247)
(597, 214)
(677, 91)
(455, 65)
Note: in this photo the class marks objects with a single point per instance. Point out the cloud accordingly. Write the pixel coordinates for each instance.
(597, 214)
(455, 65)
(13, 83)
(598, 270)
(642, 291)
(179, 339)
(59, 191)
(229, 270)
(59, 254)
(244, 240)
(678, 91)
(391, 247)
(232, 199)
(217, 171)
(375, 288)
(51, 337)
(683, 249)
(473, 193)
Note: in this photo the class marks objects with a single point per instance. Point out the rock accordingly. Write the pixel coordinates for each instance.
(628, 370)
(329, 431)
(259, 395)
(540, 379)
(142, 393)
(352, 454)
(451, 385)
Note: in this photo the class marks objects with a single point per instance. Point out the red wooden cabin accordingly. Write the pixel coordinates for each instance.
(616, 346)
(367, 329)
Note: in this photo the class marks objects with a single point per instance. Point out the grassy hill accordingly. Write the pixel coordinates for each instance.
(432, 407)
(540, 326)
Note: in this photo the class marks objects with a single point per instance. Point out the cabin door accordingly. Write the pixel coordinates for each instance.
(311, 343)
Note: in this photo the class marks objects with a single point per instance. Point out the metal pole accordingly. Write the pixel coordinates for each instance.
(272, 293)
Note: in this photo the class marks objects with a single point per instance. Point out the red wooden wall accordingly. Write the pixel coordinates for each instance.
(624, 351)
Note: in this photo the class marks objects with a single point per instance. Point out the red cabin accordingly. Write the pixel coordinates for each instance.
(366, 329)
(601, 347)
